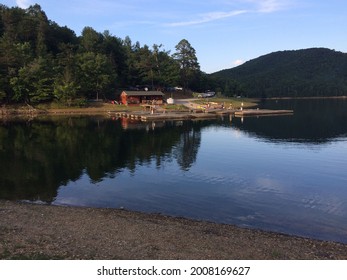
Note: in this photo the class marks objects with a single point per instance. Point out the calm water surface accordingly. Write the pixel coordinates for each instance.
(286, 173)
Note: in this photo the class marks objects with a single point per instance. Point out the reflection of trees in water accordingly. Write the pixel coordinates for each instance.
(37, 157)
(187, 148)
(313, 122)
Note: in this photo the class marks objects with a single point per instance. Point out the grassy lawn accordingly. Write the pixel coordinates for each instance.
(229, 102)
(102, 107)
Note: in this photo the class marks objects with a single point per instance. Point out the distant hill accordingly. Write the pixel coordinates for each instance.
(308, 72)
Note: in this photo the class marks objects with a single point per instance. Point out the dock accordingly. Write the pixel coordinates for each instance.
(197, 114)
(262, 112)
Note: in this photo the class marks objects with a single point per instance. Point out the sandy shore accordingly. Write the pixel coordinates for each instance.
(54, 232)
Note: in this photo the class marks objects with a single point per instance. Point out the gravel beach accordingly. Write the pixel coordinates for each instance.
(29, 231)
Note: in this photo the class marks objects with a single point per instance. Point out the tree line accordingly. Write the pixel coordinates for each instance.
(41, 61)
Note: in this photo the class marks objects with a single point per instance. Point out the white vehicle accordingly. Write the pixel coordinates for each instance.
(206, 94)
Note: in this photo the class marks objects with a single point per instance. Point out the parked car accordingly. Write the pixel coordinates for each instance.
(206, 94)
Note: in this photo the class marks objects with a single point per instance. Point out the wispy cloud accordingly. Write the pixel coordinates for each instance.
(208, 17)
(246, 6)
(23, 3)
(268, 6)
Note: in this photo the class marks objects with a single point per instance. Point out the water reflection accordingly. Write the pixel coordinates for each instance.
(37, 157)
(315, 121)
(187, 148)
(285, 173)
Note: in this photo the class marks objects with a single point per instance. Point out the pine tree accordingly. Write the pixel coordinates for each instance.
(189, 66)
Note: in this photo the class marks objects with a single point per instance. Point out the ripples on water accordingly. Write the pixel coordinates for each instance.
(275, 173)
(237, 180)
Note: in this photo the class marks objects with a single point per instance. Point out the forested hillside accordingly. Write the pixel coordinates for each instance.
(309, 72)
(41, 61)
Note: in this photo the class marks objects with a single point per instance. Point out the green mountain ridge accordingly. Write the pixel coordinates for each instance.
(297, 73)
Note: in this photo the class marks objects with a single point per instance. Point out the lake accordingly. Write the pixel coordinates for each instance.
(285, 174)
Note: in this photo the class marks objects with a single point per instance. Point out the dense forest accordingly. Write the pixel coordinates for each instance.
(309, 72)
(41, 61)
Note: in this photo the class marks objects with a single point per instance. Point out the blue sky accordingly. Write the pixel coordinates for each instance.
(224, 33)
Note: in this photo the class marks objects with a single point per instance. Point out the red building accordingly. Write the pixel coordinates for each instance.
(141, 97)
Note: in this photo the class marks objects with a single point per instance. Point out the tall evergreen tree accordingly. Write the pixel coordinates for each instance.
(39, 22)
(66, 84)
(113, 48)
(90, 40)
(185, 55)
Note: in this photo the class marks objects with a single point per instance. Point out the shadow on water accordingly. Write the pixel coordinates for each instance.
(314, 121)
(187, 168)
(37, 157)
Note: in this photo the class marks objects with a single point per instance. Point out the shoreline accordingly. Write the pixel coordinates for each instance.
(31, 231)
(8, 112)
(22, 110)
